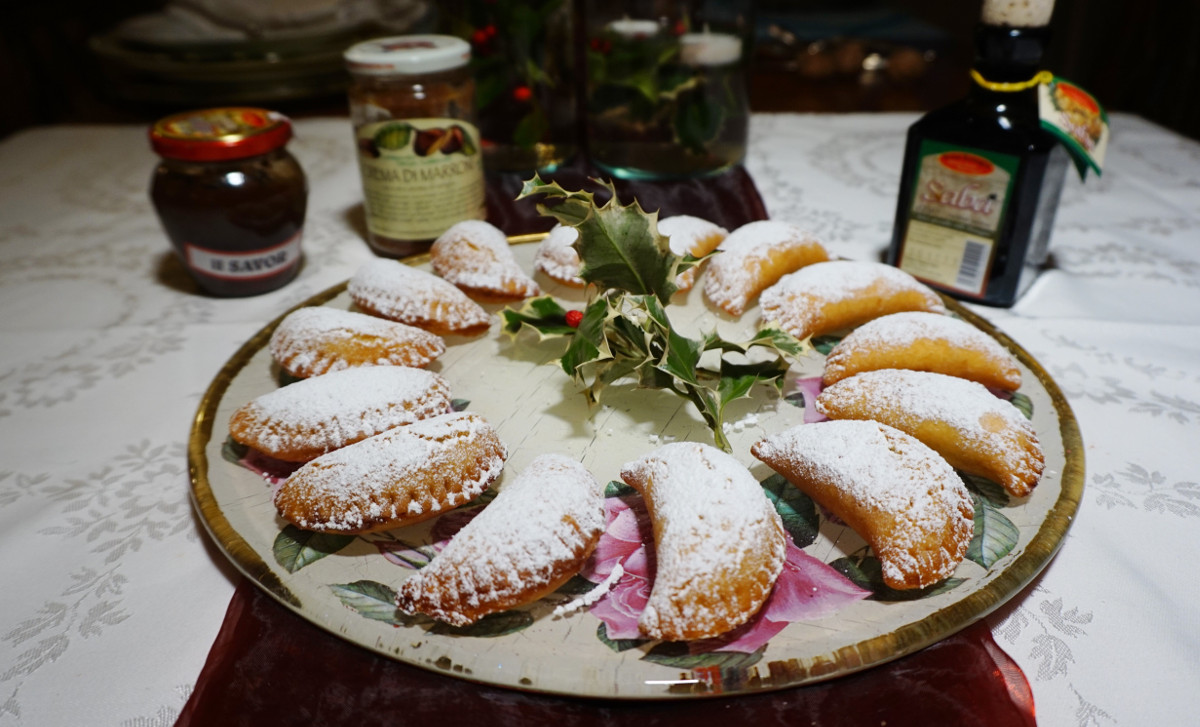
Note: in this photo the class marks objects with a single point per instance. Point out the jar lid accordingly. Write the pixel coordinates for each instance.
(408, 54)
(219, 134)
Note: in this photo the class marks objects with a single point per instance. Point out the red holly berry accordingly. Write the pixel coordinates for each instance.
(490, 30)
(480, 37)
(522, 93)
(574, 317)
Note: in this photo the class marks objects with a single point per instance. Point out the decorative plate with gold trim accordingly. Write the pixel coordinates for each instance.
(834, 617)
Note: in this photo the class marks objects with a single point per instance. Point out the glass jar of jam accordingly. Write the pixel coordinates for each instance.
(230, 197)
(412, 107)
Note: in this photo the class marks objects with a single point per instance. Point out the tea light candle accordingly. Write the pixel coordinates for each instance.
(633, 29)
(710, 49)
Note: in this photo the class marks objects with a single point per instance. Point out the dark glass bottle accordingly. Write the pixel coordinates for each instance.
(982, 179)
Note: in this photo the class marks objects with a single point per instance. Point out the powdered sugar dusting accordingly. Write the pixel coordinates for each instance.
(719, 542)
(592, 596)
(900, 495)
(317, 415)
(755, 256)
(557, 258)
(475, 255)
(951, 346)
(402, 475)
(400, 292)
(536, 533)
(803, 299)
(317, 339)
(687, 234)
(988, 436)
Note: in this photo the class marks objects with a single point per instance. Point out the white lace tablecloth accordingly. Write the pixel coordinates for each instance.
(112, 594)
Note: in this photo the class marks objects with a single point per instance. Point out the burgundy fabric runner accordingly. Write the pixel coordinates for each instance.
(269, 666)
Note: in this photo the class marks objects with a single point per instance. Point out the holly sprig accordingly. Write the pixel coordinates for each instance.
(625, 332)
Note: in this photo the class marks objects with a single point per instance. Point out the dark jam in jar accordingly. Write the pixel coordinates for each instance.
(230, 197)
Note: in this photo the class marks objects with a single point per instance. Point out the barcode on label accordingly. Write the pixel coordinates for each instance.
(970, 270)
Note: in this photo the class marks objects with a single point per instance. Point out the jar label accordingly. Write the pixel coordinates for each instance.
(244, 265)
(420, 176)
(1078, 120)
(960, 196)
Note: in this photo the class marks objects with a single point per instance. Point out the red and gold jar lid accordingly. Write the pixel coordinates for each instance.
(219, 134)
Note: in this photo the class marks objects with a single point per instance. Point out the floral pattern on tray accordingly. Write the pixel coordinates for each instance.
(615, 584)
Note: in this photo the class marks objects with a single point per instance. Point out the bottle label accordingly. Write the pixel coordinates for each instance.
(244, 265)
(1077, 119)
(420, 176)
(956, 215)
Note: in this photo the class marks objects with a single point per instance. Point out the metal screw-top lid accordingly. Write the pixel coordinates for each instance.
(220, 134)
(407, 54)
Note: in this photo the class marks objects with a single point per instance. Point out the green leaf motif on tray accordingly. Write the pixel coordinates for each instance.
(617, 645)
(490, 626)
(798, 511)
(295, 548)
(825, 344)
(985, 488)
(865, 571)
(233, 451)
(1023, 403)
(616, 488)
(369, 599)
(679, 655)
(995, 535)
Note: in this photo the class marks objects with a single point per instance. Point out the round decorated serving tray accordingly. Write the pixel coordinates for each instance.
(829, 614)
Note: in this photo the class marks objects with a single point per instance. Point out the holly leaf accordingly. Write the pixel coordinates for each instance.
(624, 249)
(543, 315)
(625, 330)
(777, 339)
(588, 342)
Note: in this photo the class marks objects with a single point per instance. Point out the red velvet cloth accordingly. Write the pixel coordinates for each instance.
(271, 667)
(268, 666)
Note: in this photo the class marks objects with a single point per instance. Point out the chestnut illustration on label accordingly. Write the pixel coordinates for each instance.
(397, 137)
(450, 140)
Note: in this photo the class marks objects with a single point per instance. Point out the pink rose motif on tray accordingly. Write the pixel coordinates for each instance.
(805, 396)
(806, 589)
